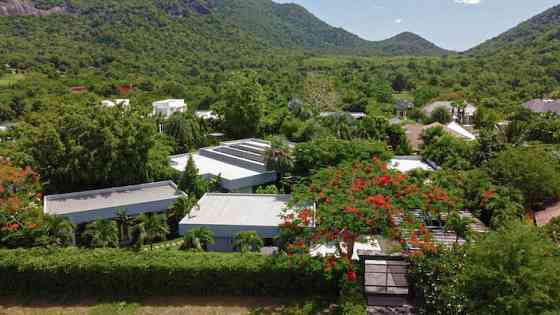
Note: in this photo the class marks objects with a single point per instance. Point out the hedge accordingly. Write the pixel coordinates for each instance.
(115, 272)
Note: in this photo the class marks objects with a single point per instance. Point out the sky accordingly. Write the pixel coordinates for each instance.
(451, 24)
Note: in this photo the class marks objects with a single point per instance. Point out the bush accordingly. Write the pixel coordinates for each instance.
(114, 272)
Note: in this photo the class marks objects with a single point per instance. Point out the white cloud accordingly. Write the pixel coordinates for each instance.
(398, 21)
(468, 1)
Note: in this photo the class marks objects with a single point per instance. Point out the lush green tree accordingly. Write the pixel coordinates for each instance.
(531, 170)
(279, 157)
(241, 109)
(512, 271)
(458, 224)
(198, 239)
(424, 95)
(191, 182)
(314, 155)
(102, 233)
(441, 115)
(179, 210)
(95, 147)
(187, 130)
(552, 229)
(380, 129)
(446, 150)
(155, 227)
(248, 241)
(490, 142)
(59, 231)
(125, 222)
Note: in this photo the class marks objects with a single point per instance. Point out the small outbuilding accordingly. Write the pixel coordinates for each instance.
(169, 107)
(229, 214)
(88, 206)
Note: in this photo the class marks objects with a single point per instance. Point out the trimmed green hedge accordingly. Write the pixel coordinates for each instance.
(114, 272)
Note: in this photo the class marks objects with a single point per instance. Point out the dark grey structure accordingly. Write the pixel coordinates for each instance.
(87, 206)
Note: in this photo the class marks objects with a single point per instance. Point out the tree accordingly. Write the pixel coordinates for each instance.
(512, 272)
(446, 150)
(552, 229)
(268, 190)
(279, 157)
(357, 199)
(155, 227)
(441, 115)
(59, 231)
(248, 241)
(198, 239)
(531, 170)
(179, 210)
(458, 224)
(187, 130)
(241, 106)
(102, 233)
(125, 221)
(191, 182)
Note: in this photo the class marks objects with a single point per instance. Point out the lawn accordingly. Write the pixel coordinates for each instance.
(8, 80)
(164, 306)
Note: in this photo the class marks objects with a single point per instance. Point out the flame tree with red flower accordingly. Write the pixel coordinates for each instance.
(359, 199)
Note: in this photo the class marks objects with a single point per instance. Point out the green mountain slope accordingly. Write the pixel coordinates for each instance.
(292, 26)
(523, 34)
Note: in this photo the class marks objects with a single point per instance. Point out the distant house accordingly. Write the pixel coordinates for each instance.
(405, 164)
(78, 89)
(229, 214)
(414, 132)
(543, 106)
(125, 88)
(87, 206)
(240, 164)
(462, 116)
(548, 214)
(206, 114)
(169, 107)
(402, 107)
(125, 103)
(355, 115)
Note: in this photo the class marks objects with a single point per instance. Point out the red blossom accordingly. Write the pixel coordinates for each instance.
(351, 275)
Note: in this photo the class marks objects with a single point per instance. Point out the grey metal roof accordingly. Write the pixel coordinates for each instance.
(543, 106)
(251, 210)
(110, 198)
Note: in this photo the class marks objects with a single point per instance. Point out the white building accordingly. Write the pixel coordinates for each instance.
(206, 114)
(169, 107)
(87, 206)
(405, 164)
(229, 214)
(468, 112)
(125, 103)
(240, 164)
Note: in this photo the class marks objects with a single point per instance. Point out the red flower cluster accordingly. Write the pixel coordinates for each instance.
(359, 185)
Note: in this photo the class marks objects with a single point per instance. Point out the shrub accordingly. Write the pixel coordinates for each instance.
(115, 272)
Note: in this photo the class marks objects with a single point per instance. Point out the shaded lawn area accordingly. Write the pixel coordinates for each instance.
(164, 306)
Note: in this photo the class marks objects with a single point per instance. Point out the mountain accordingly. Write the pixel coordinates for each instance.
(292, 26)
(276, 25)
(523, 34)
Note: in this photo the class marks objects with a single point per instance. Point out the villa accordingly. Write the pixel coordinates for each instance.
(125, 103)
(169, 107)
(467, 115)
(240, 164)
(88, 206)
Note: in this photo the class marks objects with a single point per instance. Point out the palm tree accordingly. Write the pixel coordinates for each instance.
(155, 227)
(59, 230)
(180, 209)
(458, 224)
(198, 239)
(125, 221)
(248, 241)
(102, 233)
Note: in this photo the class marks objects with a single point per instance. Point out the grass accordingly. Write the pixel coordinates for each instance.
(8, 80)
(167, 306)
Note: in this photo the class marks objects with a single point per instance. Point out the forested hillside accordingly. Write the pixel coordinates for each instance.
(523, 34)
(292, 26)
